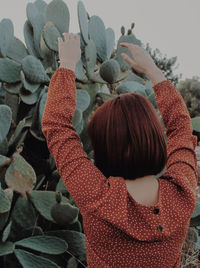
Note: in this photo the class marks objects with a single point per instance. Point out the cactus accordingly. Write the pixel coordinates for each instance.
(9, 70)
(34, 70)
(17, 50)
(50, 35)
(83, 21)
(20, 176)
(110, 71)
(7, 36)
(110, 41)
(91, 58)
(5, 121)
(58, 13)
(131, 86)
(97, 33)
(64, 214)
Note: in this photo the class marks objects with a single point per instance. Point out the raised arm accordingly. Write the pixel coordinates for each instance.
(181, 161)
(86, 184)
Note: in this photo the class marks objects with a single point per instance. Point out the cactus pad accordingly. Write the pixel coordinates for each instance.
(20, 176)
(97, 33)
(110, 40)
(131, 86)
(5, 121)
(83, 21)
(82, 99)
(17, 50)
(50, 35)
(91, 57)
(29, 40)
(64, 214)
(58, 13)
(34, 70)
(6, 36)
(9, 70)
(110, 71)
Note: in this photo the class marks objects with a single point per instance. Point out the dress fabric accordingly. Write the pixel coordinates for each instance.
(119, 231)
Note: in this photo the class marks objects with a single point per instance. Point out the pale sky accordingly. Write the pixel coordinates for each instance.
(173, 26)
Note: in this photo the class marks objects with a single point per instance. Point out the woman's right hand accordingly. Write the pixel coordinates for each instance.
(142, 62)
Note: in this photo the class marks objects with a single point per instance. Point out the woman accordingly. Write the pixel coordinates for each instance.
(130, 219)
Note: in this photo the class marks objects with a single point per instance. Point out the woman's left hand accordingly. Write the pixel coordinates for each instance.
(69, 50)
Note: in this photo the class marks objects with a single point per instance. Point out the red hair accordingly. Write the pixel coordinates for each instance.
(128, 138)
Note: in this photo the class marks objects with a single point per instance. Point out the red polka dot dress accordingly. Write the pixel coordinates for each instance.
(120, 232)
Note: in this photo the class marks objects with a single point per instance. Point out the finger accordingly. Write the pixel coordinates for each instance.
(60, 40)
(71, 36)
(66, 36)
(127, 59)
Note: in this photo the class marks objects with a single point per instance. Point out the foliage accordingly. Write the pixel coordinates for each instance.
(31, 209)
(167, 65)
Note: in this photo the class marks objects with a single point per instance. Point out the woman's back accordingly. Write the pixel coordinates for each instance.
(119, 231)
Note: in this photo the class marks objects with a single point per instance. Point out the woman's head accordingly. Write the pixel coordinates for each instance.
(127, 137)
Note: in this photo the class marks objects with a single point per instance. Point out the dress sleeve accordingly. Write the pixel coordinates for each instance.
(86, 184)
(181, 176)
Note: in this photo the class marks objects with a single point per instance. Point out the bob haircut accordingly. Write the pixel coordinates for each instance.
(128, 138)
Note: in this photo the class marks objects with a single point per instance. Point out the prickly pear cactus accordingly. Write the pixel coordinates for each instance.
(30, 215)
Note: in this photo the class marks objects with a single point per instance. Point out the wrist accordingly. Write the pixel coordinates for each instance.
(156, 75)
(67, 65)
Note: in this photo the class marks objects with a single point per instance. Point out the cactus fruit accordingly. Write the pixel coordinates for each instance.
(64, 214)
(123, 30)
(110, 71)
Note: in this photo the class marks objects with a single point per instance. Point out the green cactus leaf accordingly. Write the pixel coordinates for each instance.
(80, 72)
(129, 39)
(110, 71)
(6, 232)
(50, 35)
(91, 57)
(4, 147)
(149, 87)
(43, 202)
(29, 98)
(20, 176)
(4, 160)
(29, 39)
(5, 203)
(133, 77)
(6, 248)
(196, 123)
(40, 5)
(9, 70)
(131, 86)
(80, 127)
(37, 21)
(110, 41)
(23, 215)
(29, 86)
(60, 187)
(6, 35)
(34, 70)
(72, 263)
(78, 115)
(43, 243)
(58, 13)
(17, 50)
(82, 99)
(5, 121)
(64, 214)
(3, 220)
(12, 88)
(12, 100)
(97, 33)
(27, 260)
(16, 136)
(75, 241)
(48, 55)
(83, 21)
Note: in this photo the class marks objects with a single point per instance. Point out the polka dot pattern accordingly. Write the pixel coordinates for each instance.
(119, 231)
